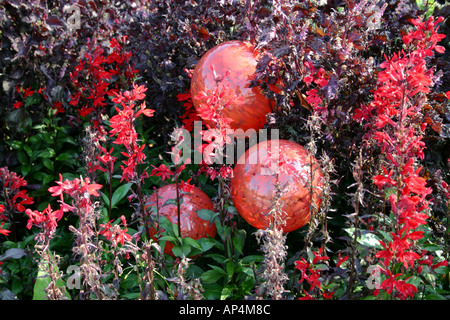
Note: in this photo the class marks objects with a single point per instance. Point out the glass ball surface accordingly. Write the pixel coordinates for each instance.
(235, 63)
(191, 225)
(254, 183)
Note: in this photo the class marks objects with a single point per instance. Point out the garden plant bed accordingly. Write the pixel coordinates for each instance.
(224, 150)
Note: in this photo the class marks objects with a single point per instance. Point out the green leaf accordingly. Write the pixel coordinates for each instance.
(181, 251)
(227, 291)
(130, 296)
(172, 202)
(218, 269)
(206, 243)
(211, 276)
(435, 296)
(431, 247)
(239, 240)
(175, 230)
(33, 99)
(166, 225)
(208, 215)
(168, 238)
(28, 150)
(252, 258)
(48, 164)
(191, 242)
(119, 194)
(47, 153)
(15, 144)
(129, 281)
(17, 286)
(205, 214)
(367, 239)
(42, 282)
(104, 197)
(230, 268)
(22, 156)
(25, 169)
(216, 257)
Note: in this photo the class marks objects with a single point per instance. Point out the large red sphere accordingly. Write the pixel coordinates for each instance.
(239, 59)
(191, 225)
(253, 185)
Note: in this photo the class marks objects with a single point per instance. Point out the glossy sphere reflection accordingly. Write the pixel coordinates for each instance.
(253, 185)
(239, 59)
(191, 225)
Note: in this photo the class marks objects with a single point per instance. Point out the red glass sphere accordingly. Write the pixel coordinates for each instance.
(191, 225)
(253, 185)
(238, 59)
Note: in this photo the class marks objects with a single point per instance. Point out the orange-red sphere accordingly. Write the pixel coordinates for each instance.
(239, 59)
(253, 185)
(191, 225)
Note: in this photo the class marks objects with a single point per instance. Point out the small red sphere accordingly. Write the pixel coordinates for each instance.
(191, 225)
(255, 177)
(237, 60)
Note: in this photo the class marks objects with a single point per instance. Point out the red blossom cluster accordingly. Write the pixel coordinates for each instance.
(311, 272)
(79, 190)
(218, 130)
(224, 172)
(394, 114)
(5, 232)
(93, 77)
(173, 172)
(123, 129)
(211, 111)
(166, 173)
(216, 135)
(15, 198)
(115, 233)
(190, 115)
(28, 92)
(313, 95)
(58, 105)
(47, 220)
(106, 160)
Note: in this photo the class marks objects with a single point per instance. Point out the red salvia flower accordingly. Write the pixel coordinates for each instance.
(47, 219)
(162, 171)
(186, 186)
(5, 232)
(16, 199)
(17, 105)
(115, 233)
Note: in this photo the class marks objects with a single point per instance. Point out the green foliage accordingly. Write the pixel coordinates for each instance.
(43, 281)
(17, 270)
